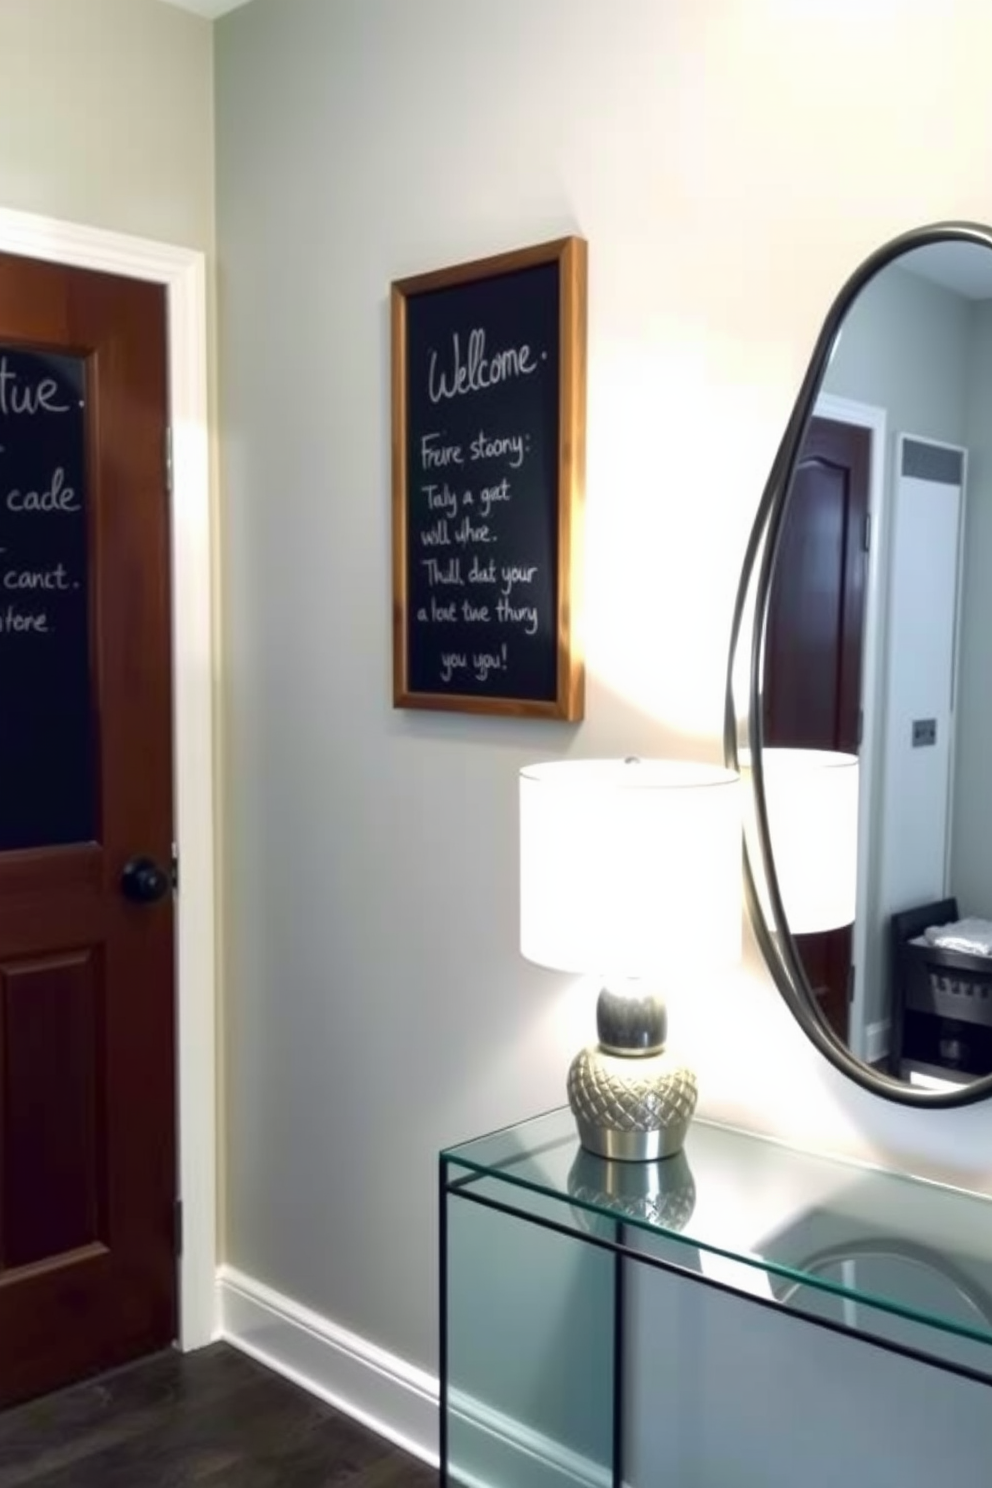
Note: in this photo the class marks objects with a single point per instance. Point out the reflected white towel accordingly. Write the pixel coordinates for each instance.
(972, 936)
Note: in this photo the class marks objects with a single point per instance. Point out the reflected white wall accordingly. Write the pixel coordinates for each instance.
(972, 839)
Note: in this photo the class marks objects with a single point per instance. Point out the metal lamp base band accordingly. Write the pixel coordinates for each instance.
(622, 1146)
(630, 1109)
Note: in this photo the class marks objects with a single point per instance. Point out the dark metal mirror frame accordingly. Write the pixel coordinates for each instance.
(779, 949)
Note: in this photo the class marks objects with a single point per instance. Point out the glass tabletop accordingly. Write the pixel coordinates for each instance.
(869, 1251)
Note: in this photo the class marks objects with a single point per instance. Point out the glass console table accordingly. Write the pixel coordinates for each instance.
(543, 1246)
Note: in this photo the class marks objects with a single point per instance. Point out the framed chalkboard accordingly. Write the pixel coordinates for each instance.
(488, 384)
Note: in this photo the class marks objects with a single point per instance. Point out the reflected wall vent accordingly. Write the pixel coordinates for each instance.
(932, 462)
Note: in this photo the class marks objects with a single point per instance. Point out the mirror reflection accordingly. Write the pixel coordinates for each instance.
(877, 644)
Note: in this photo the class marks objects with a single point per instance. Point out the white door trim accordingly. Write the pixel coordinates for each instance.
(867, 1044)
(183, 273)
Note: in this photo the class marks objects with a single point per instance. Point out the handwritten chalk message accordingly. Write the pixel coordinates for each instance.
(46, 735)
(482, 497)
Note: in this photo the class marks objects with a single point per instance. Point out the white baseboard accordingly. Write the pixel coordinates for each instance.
(390, 1396)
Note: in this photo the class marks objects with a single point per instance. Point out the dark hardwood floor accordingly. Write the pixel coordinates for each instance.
(213, 1419)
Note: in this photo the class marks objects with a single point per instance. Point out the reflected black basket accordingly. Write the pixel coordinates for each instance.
(941, 999)
(948, 984)
(948, 1010)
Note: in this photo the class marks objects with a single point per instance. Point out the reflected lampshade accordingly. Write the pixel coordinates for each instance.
(811, 800)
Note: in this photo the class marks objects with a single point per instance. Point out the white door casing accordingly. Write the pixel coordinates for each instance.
(874, 419)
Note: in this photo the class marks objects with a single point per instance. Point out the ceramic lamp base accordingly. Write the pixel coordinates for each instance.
(631, 1108)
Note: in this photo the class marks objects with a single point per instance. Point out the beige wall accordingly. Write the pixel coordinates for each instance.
(730, 162)
(106, 116)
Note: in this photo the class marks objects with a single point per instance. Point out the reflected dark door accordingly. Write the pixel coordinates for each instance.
(87, 1105)
(812, 688)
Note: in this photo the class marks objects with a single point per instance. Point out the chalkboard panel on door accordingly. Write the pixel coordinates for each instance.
(48, 713)
(488, 370)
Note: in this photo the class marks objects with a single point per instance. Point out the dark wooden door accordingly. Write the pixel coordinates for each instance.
(87, 1103)
(814, 640)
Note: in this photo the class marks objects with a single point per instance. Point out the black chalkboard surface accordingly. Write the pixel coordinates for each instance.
(47, 753)
(488, 426)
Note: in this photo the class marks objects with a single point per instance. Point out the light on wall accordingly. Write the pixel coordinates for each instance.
(630, 870)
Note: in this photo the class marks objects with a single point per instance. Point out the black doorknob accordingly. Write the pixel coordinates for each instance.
(143, 881)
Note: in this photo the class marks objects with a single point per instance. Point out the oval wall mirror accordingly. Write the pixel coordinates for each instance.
(860, 681)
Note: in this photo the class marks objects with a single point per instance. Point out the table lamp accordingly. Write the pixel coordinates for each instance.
(630, 870)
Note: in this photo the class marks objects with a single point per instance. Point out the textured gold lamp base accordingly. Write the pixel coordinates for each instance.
(632, 1108)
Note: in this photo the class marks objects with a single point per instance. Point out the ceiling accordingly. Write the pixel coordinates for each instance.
(211, 9)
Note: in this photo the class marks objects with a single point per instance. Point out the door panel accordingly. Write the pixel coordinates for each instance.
(87, 1104)
(922, 612)
(812, 697)
(52, 1056)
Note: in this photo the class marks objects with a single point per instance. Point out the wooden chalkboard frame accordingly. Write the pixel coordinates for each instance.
(566, 699)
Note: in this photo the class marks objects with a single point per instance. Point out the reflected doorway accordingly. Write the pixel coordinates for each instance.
(815, 644)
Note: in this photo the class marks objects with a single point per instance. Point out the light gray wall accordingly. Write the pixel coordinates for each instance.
(971, 860)
(106, 120)
(377, 1006)
(106, 116)
(905, 347)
